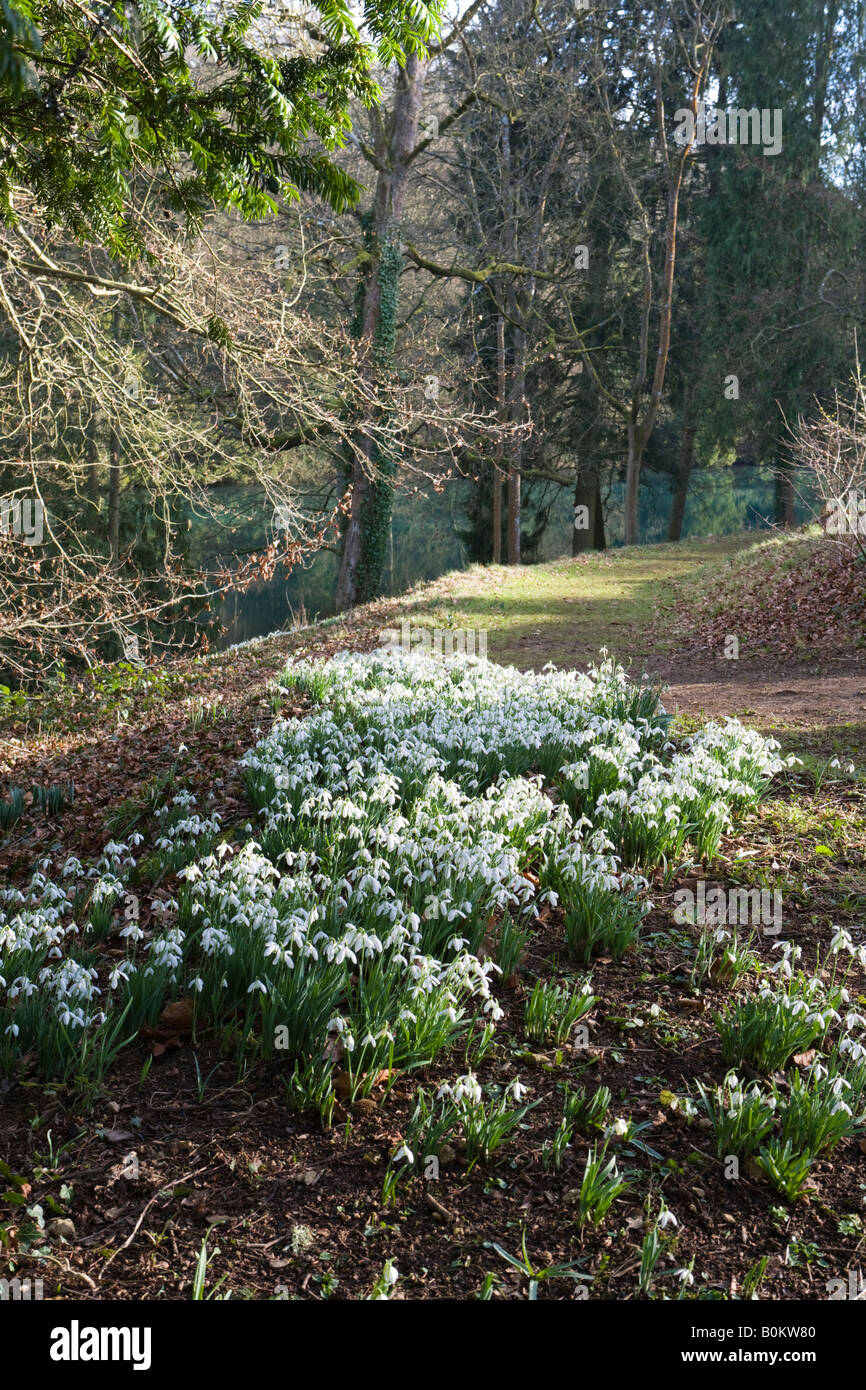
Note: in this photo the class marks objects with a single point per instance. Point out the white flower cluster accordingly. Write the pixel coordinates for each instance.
(182, 825)
(416, 803)
(40, 939)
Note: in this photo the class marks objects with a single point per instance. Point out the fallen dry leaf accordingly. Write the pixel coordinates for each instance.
(177, 1016)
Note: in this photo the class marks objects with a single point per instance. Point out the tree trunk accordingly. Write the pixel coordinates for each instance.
(350, 556)
(684, 469)
(600, 541)
(497, 467)
(632, 482)
(587, 495)
(639, 433)
(394, 151)
(497, 515)
(518, 384)
(784, 514)
(514, 514)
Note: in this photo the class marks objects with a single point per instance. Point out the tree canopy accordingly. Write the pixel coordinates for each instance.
(190, 95)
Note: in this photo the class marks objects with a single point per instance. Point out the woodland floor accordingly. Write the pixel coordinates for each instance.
(290, 1210)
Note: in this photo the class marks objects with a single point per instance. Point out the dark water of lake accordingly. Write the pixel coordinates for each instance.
(425, 541)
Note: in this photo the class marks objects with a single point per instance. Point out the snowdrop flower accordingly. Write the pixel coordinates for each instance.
(517, 1091)
(467, 1088)
(120, 973)
(685, 1276)
(667, 1218)
(841, 942)
(404, 1155)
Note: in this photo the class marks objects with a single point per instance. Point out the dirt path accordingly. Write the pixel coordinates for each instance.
(787, 694)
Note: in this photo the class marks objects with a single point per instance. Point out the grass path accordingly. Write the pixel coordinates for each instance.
(567, 610)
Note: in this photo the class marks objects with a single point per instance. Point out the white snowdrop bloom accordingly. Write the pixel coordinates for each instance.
(121, 974)
(841, 942)
(517, 1091)
(667, 1218)
(685, 1276)
(404, 1155)
(467, 1088)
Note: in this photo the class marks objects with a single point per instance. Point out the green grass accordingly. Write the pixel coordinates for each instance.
(567, 610)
